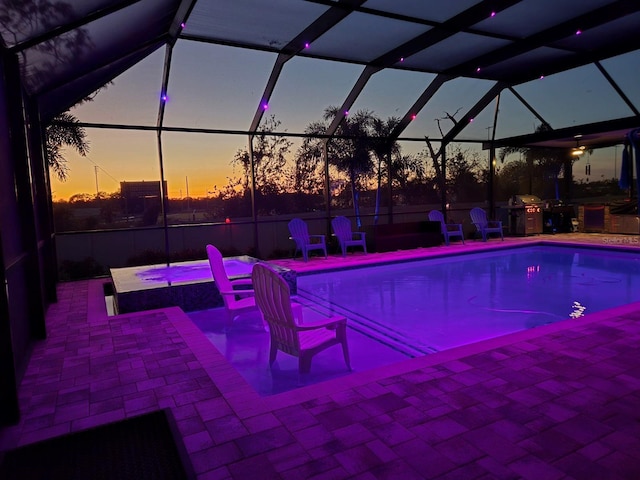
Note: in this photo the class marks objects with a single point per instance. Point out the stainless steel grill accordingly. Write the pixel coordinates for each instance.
(525, 215)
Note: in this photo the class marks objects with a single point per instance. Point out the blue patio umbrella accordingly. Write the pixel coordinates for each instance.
(623, 182)
(634, 140)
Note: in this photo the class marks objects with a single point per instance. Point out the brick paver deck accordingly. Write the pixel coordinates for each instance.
(556, 402)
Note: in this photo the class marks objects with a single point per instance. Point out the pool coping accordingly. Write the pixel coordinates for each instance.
(443, 251)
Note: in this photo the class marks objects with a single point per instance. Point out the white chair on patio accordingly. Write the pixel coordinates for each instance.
(302, 340)
(236, 301)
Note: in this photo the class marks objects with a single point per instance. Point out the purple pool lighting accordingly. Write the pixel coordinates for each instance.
(407, 309)
(190, 272)
(431, 305)
(236, 268)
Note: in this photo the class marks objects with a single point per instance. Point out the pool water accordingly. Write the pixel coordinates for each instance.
(430, 305)
(402, 310)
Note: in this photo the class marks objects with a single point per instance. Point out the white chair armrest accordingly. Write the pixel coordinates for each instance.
(327, 322)
(237, 292)
(241, 281)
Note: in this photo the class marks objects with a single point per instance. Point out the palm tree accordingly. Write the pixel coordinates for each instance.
(361, 147)
(350, 152)
(383, 147)
(64, 131)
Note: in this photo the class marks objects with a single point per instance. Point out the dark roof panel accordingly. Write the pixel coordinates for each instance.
(68, 47)
(530, 17)
(354, 37)
(24, 20)
(453, 51)
(94, 45)
(252, 22)
(422, 10)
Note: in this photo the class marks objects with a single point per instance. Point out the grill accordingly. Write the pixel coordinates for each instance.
(525, 215)
(559, 217)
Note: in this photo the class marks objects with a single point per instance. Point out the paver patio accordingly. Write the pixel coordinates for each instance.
(558, 401)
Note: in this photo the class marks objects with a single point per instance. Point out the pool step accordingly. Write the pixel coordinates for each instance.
(365, 325)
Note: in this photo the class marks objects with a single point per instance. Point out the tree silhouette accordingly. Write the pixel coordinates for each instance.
(543, 164)
(269, 160)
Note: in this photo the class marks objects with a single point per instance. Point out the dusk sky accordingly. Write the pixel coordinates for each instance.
(220, 87)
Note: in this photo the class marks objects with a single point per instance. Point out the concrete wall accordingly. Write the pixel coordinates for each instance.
(113, 248)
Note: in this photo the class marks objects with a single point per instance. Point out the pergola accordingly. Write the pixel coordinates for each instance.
(56, 53)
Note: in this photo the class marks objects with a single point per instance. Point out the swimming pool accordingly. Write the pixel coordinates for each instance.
(425, 306)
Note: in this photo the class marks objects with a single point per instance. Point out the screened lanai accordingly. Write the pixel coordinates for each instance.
(237, 116)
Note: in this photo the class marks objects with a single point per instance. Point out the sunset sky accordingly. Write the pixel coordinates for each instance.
(220, 88)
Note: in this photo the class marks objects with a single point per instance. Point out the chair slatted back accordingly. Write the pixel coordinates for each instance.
(479, 217)
(436, 216)
(299, 231)
(273, 298)
(342, 228)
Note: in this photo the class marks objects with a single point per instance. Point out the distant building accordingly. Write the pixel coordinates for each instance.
(140, 196)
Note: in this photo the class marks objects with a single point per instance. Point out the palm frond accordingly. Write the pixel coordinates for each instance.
(64, 131)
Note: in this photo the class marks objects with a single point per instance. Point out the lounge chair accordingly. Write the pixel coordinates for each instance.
(346, 237)
(302, 340)
(305, 242)
(236, 301)
(448, 230)
(484, 226)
